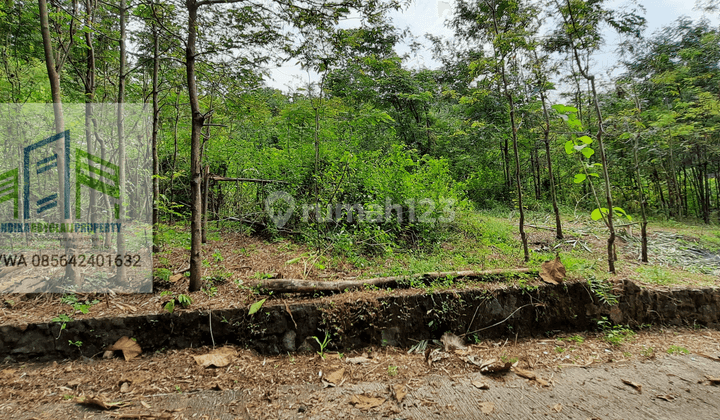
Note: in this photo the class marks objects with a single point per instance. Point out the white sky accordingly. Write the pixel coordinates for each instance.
(428, 16)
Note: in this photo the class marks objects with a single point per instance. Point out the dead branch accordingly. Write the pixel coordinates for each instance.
(304, 286)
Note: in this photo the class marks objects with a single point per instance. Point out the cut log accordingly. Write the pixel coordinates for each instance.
(305, 286)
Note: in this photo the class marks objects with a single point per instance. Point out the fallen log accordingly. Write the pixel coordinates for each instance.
(305, 286)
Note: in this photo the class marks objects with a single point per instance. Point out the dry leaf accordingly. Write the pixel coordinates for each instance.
(452, 342)
(487, 407)
(557, 408)
(175, 278)
(633, 384)
(667, 397)
(219, 357)
(144, 404)
(129, 347)
(363, 402)
(399, 392)
(552, 271)
(530, 375)
(357, 360)
(335, 377)
(495, 366)
(125, 387)
(76, 382)
(100, 403)
(713, 380)
(480, 385)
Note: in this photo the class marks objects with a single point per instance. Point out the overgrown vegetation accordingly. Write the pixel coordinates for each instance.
(376, 157)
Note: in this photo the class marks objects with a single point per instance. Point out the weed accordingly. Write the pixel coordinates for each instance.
(184, 300)
(178, 389)
(648, 352)
(392, 370)
(210, 291)
(170, 306)
(559, 349)
(77, 344)
(68, 397)
(323, 344)
(615, 334)
(655, 275)
(575, 338)
(603, 290)
(506, 359)
(677, 350)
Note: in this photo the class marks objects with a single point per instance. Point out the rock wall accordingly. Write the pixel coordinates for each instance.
(391, 320)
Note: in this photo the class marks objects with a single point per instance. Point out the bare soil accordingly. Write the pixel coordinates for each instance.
(583, 374)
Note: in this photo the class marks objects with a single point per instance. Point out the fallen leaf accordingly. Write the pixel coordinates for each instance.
(553, 271)
(220, 357)
(144, 404)
(357, 360)
(480, 385)
(364, 402)
(495, 366)
(633, 384)
(666, 397)
(557, 408)
(530, 375)
(487, 407)
(399, 392)
(125, 387)
(76, 382)
(472, 359)
(7, 373)
(335, 377)
(175, 278)
(713, 380)
(129, 347)
(452, 342)
(100, 403)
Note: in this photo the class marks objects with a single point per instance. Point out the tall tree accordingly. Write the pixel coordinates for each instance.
(580, 34)
(53, 70)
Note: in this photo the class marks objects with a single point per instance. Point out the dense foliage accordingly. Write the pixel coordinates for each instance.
(371, 130)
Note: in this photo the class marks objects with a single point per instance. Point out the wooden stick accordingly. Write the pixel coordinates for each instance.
(304, 286)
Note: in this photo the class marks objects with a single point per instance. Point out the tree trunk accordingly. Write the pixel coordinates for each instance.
(196, 177)
(71, 272)
(155, 129)
(643, 229)
(553, 196)
(89, 99)
(120, 276)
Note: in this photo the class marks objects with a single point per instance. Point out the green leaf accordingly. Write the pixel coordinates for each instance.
(598, 214)
(256, 306)
(585, 139)
(580, 178)
(170, 306)
(563, 109)
(596, 175)
(569, 147)
(587, 152)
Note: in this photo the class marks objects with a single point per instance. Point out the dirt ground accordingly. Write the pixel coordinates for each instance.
(658, 373)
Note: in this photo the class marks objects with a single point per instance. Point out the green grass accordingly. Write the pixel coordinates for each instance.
(656, 275)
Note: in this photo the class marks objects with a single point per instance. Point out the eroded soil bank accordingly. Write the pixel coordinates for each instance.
(396, 320)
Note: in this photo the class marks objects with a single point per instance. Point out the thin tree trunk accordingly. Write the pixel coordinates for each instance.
(120, 276)
(89, 99)
(603, 158)
(546, 139)
(196, 177)
(71, 272)
(155, 129)
(643, 226)
(518, 184)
